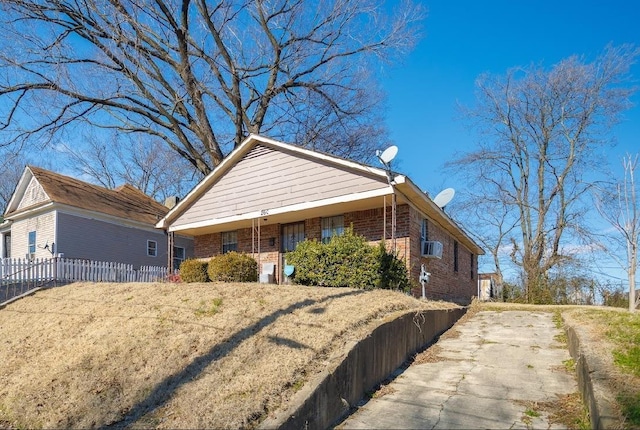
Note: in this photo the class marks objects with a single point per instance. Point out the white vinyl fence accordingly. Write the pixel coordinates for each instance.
(19, 276)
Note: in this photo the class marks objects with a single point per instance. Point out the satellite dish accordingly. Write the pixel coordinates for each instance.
(444, 197)
(387, 155)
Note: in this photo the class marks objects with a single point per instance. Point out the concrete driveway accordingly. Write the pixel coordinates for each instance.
(494, 375)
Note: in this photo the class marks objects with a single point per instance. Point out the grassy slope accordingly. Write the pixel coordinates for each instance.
(173, 356)
(616, 336)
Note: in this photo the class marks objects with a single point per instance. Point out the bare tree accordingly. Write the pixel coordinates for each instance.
(201, 75)
(493, 222)
(152, 168)
(620, 207)
(542, 129)
(11, 167)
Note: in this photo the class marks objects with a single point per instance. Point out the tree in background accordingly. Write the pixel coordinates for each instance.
(151, 167)
(201, 75)
(542, 129)
(620, 207)
(11, 168)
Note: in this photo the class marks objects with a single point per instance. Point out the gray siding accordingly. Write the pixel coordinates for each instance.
(269, 179)
(96, 240)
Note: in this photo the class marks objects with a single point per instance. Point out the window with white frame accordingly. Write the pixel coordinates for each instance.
(152, 248)
(332, 226)
(32, 242)
(229, 241)
(178, 256)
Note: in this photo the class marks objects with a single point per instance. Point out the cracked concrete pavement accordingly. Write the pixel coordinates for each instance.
(492, 376)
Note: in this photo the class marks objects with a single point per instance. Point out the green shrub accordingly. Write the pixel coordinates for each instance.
(392, 271)
(192, 270)
(308, 260)
(233, 267)
(347, 261)
(350, 262)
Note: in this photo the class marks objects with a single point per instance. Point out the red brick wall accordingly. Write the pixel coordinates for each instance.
(444, 283)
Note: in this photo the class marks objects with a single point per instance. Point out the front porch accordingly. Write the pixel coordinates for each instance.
(269, 238)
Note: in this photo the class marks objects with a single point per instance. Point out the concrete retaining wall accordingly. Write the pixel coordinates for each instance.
(592, 382)
(366, 364)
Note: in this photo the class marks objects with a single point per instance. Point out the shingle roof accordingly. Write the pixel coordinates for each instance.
(125, 201)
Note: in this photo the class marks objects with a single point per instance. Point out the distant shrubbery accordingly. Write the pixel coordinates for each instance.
(347, 261)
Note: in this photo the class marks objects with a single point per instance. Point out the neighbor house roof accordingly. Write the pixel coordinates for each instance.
(250, 147)
(125, 202)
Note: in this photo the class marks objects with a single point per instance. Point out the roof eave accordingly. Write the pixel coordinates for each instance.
(424, 202)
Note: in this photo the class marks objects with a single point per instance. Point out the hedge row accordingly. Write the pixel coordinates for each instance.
(345, 261)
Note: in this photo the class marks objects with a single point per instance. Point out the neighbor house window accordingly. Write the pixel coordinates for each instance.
(332, 226)
(32, 242)
(424, 232)
(7, 245)
(152, 248)
(229, 241)
(178, 257)
(455, 256)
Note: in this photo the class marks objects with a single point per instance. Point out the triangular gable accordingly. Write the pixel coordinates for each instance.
(33, 195)
(242, 153)
(271, 178)
(28, 192)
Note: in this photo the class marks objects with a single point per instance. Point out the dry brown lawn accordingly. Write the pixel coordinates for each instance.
(174, 355)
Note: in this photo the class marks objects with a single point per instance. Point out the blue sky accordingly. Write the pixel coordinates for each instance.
(463, 39)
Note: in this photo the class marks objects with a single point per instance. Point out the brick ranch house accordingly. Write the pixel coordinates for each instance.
(267, 196)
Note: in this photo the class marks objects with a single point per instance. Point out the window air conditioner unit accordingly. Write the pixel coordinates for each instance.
(431, 249)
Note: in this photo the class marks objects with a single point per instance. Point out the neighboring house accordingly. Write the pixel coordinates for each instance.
(51, 214)
(489, 287)
(267, 196)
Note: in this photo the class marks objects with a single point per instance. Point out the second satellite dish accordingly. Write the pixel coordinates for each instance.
(387, 155)
(444, 197)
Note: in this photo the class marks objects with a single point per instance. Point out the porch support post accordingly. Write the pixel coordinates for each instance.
(170, 252)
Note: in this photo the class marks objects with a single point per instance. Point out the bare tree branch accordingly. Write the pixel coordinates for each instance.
(201, 75)
(542, 128)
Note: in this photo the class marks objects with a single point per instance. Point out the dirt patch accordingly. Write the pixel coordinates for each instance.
(175, 355)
